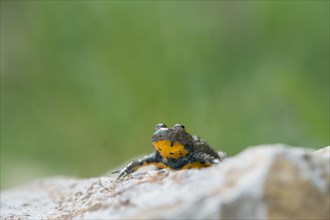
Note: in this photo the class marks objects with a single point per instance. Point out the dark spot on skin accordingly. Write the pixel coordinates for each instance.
(180, 153)
(171, 153)
(172, 144)
(160, 149)
(306, 157)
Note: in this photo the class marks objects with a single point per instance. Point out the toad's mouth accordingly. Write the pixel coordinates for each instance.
(169, 149)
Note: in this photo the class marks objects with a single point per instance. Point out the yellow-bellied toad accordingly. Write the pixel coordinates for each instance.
(176, 149)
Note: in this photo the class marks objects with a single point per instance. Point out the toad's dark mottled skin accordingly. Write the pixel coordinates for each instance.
(175, 149)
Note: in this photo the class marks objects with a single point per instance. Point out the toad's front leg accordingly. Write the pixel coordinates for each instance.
(137, 164)
(206, 158)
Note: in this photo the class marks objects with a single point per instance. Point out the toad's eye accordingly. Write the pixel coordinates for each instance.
(159, 126)
(179, 127)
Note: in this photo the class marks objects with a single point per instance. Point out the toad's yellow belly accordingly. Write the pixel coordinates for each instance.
(166, 149)
(196, 165)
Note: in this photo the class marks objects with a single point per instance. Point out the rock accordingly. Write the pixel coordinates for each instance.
(270, 181)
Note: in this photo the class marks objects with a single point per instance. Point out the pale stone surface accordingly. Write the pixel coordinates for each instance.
(270, 181)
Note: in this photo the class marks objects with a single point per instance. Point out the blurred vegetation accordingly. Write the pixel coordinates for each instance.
(83, 83)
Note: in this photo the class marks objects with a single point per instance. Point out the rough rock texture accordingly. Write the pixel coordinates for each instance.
(264, 182)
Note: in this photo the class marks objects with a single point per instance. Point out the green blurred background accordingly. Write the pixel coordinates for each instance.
(83, 83)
